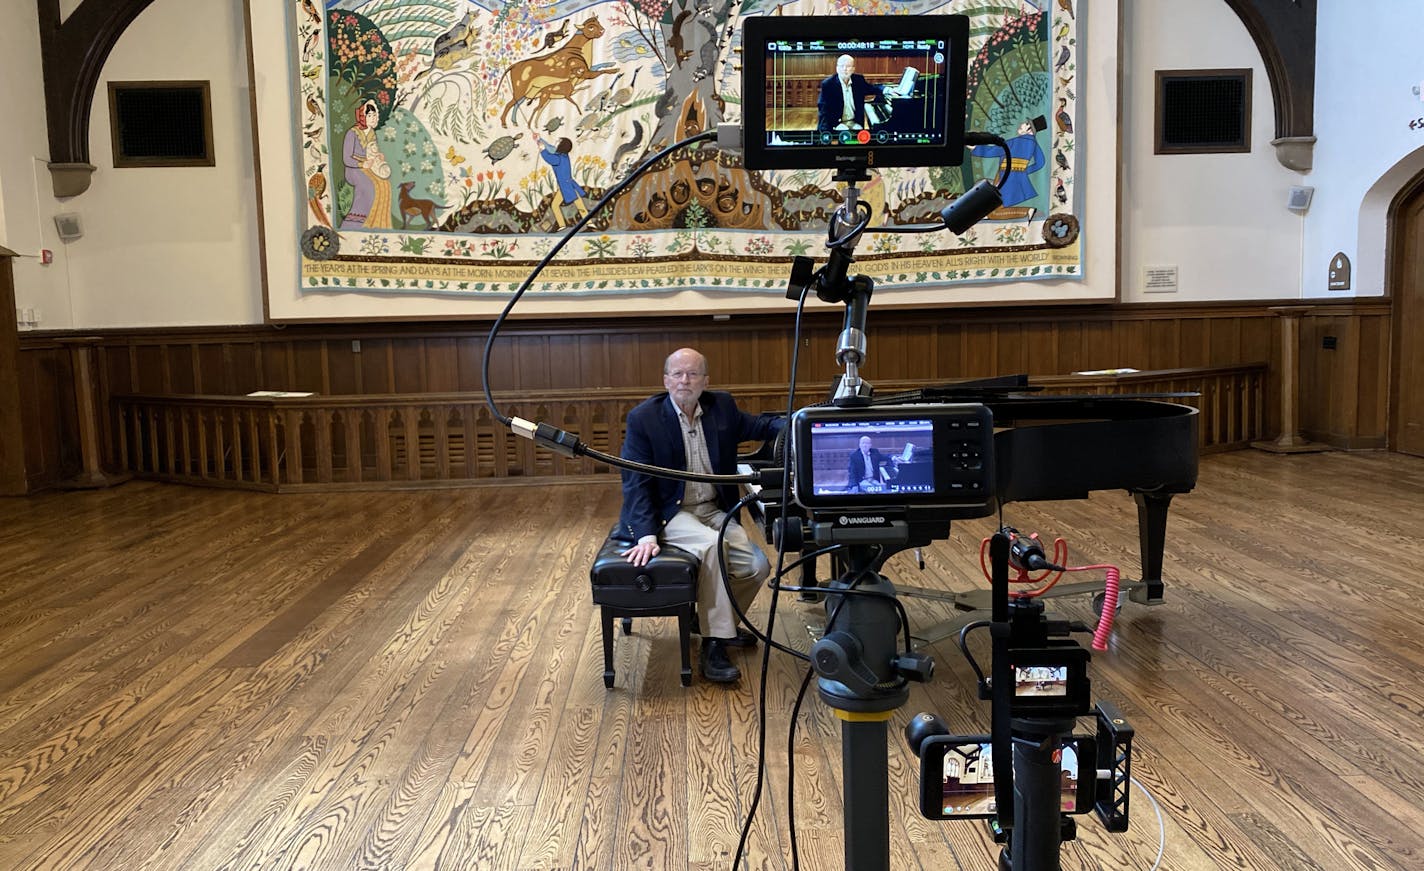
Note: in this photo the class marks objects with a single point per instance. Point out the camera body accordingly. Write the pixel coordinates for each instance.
(891, 475)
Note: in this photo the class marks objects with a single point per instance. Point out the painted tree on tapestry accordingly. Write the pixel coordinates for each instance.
(360, 79)
(468, 134)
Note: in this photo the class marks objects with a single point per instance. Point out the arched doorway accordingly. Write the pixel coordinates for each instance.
(1405, 283)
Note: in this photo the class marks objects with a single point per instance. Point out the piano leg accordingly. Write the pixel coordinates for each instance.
(1151, 543)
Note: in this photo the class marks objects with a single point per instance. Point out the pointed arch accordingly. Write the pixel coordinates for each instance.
(1284, 32)
(72, 52)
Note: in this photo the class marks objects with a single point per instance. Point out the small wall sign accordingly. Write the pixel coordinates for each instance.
(1339, 272)
(1159, 279)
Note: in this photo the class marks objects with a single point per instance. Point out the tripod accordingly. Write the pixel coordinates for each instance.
(863, 678)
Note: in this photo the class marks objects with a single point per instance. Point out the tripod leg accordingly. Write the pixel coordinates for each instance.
(866, 794)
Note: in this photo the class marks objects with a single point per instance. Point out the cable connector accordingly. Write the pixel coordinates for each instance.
(553, 438)
(729, 136)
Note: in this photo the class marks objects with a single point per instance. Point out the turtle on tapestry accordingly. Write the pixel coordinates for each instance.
(502, 147)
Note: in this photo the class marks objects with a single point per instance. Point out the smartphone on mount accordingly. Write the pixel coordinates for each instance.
(957, 776)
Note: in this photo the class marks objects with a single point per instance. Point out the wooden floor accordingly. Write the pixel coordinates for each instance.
(195, 679)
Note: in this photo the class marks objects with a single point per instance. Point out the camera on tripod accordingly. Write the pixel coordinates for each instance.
(891, 475)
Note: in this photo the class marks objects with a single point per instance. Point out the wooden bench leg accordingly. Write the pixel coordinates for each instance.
(684, 637)
(607, 618)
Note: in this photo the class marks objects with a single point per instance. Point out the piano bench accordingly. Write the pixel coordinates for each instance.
(665, 587)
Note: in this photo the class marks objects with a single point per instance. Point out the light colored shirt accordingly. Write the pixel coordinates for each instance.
(848, 113)
(694, 443)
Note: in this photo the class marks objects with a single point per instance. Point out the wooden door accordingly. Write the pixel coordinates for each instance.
(1407, 285)
(13, 478)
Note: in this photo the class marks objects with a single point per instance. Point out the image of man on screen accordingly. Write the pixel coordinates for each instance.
(866, 470)
(841, 105)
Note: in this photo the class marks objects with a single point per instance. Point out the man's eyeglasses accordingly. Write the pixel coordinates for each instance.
(682, 375)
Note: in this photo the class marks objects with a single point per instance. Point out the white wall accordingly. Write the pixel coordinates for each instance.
(25, 225)
(179, 246)
(1368, 63)
(1221, 219)
(173, 246)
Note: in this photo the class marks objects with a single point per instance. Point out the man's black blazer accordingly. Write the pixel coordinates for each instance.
(654, 436)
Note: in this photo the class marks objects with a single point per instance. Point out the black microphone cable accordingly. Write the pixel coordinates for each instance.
(976, 197)
(775, 594)
(551, 437)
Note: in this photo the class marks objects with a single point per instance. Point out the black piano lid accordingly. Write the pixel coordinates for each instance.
(1064, 447)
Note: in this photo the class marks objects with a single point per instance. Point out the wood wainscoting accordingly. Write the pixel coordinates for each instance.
(1343, 401)
(289, 444)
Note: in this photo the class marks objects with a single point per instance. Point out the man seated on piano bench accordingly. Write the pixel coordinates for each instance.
(869, 469)
(841, 104)
(693, 429)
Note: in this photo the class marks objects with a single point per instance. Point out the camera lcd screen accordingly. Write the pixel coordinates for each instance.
(1041, 680)
(966, 784)
(868, 457)
(824, 92)
(919, 457)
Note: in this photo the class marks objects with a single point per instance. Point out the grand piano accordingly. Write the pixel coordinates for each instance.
(900, 108)
(1057, 448)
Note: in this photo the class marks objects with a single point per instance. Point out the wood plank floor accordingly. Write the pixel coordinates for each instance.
(194, 679)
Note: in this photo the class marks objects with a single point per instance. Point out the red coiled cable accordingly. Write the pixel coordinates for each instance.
(1060, 556)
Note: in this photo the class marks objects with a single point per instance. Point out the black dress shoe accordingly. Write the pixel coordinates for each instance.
(742, 639)
(714, 663)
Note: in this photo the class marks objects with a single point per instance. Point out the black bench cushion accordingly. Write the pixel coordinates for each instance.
(670, 578)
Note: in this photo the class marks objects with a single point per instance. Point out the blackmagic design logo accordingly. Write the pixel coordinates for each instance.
(846, 520)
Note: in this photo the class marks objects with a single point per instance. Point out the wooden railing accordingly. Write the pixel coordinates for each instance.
(287, 444)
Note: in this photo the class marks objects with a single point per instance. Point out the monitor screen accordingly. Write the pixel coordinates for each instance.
(821, 92)
(873, 457)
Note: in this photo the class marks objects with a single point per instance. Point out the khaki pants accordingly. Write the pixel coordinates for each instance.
(694, 530)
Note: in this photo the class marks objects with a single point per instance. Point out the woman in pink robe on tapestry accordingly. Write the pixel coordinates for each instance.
(367, 172)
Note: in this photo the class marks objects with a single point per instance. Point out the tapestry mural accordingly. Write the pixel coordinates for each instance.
(446, 145)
